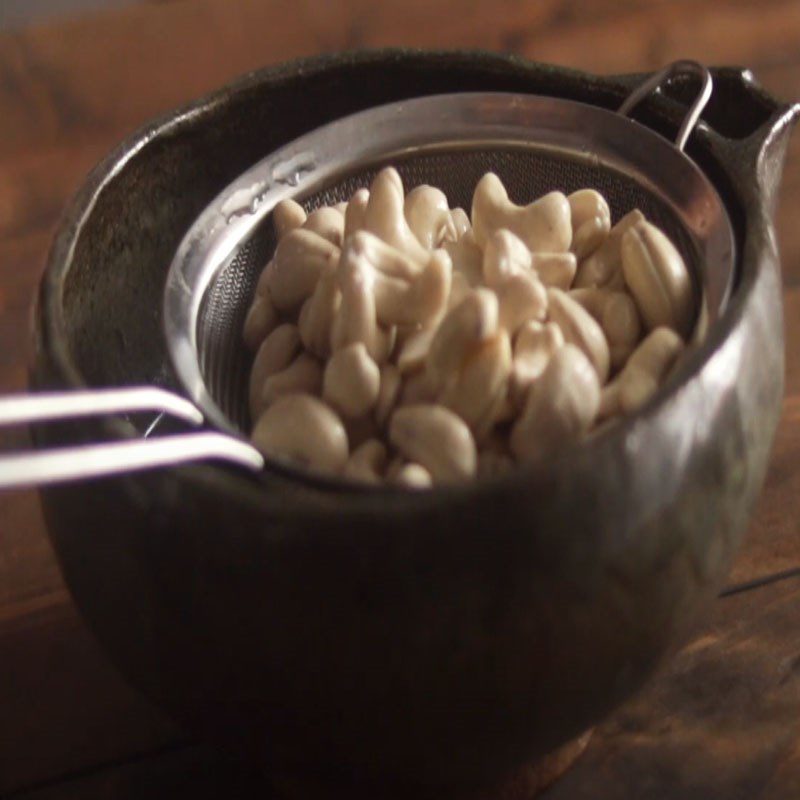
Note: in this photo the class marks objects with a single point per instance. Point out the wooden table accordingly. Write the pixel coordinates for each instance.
(721, 722)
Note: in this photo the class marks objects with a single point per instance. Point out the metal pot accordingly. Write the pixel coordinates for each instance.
(439, 637)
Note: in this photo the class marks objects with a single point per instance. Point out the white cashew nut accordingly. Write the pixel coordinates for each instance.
(644, 372)
(504, 255)
(473, 321)
(355, 213)
(618, 317)
(473, 390)
(301, 258)
(436, 438)
(328, 223)
(580, 328)
(543, 225)
(591, 221)
(555, 270)
(521, 298)
(367, 462)
(561, 406)
(287, 216)
(412, 476)
(428, 216)
(302, 430)
(534, 346)
(277, 351)
(303, 375)
(461, 223)
(352, 381)
(318, 313)
(385, 218)
(261, 320)
(603, 268)
(658, 279)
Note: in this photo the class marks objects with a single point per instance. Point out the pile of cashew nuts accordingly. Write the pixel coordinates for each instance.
(400, 341)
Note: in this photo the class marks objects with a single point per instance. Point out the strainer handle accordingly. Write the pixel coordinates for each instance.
(61, 465)
(654, 82)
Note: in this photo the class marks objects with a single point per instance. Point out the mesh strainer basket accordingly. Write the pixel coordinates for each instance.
(535, 144)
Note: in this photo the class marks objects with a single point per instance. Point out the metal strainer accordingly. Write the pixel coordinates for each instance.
(535, 144)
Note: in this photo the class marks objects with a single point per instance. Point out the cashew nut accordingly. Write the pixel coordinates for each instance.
(388, 394)
(413, 476)
(404, 294)
(591, 221)
(287, 216)
(352, 381)
(385, 218)
(367, 462)
(275, 354)
(580, 328)
(504, 255)
(657, 277)
(463, 328)
(303, 375)
(302, 430)
(414, 350)
(644, 372)
(318, 313)
(555, 269)
(604, 267)
(461, 223)
(467, 259)
(261, 320)
(472, 391)
(355, 213)
(436, 438)
(521, 298)
(616, 312)
(542, 225)
(301, 258)
(534, 346)
(328, 223)
(561, 406)
(356, 320)
(428, 216)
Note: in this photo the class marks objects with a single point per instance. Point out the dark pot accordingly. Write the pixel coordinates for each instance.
(443, 636)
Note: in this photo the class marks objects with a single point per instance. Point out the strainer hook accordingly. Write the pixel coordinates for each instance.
(653, 84)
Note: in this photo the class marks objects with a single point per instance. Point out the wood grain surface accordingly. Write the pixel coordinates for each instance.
(721, 721)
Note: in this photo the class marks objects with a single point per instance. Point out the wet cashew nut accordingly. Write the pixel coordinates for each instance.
(286, 216)
(463, 328)
(504, 255)
(657, 277)
(543, 225)
(301, 258)
(318, 313)
(277, 351)
(436, 438)
(603, 268)
(580, 328)
(384, 215)
(352, 381)
(260, 321)
(328, 223)
(367, 462)
(534, 346)
(555, 269)
(591, 221)
(644, 372)
(461, 223)
(302, 430)
(521, 298)
(473, 390)
(618, 317)
(412, 476)
(303, 375)
(428, 215)
(355, 213)
(561, 406)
